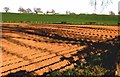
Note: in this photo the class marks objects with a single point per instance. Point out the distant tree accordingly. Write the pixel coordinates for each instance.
(111, 13)
(52, 11)
(37, 10)
(67, 12)
(71, 12)
(28, 10)
(6, 9)
(22, 10)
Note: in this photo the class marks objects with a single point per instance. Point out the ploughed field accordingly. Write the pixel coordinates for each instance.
(45, 48)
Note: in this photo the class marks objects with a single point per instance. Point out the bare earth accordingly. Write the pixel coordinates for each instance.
(45, 48)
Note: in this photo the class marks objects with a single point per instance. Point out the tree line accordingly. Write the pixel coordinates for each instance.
(28, 10)
(38, 10)
(35, 11)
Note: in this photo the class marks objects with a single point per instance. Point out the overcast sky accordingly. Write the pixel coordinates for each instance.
(60, 6)
(119, 6)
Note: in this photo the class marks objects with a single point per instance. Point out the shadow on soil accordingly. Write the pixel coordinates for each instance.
(109, 50)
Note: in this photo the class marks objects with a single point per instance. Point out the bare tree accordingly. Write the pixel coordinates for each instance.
(37, 10)
(111, 13)
(71, 12)
(22, 10)
(28, 10)
(6, 9)
(67, 12)
(52, 11)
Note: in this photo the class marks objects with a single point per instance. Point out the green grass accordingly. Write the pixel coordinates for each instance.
(67, 19)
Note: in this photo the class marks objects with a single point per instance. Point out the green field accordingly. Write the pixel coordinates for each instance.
(61, 19)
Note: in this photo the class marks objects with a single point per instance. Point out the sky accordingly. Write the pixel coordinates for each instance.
(60, 6)
(119, 6)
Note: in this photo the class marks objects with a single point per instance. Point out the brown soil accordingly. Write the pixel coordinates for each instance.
(42, 48)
